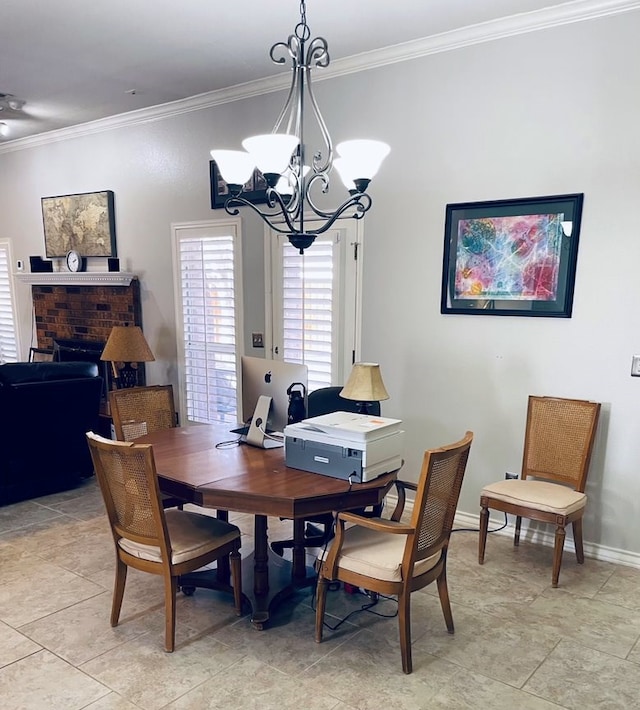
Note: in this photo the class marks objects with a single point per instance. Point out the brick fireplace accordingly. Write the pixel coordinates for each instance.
(83, 312)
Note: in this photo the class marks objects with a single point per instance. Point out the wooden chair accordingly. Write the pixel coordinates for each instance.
(137, 411)
(558, 441)
(392, 557)
(147, 537)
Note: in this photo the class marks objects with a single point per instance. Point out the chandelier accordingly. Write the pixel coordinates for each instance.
(292, 184)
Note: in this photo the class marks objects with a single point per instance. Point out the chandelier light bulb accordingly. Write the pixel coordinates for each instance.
(4, 129)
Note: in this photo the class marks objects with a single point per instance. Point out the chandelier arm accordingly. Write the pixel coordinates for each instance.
(292, 49)
(318, 54)
(361, 203)
(233, 203)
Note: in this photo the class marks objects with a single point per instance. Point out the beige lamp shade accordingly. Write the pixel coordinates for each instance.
(127, 344)
(365, 383)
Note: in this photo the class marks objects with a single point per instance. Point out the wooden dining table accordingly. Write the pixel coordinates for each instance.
(199, 464)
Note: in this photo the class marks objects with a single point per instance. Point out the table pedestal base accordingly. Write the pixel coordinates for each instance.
(263, 604)
(267, 579)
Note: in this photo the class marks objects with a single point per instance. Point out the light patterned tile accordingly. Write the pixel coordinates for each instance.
(53, 533)
(532, 562)
(45, 681)
(364, 671)
(83, 631)
(14, 645)
(580, 678)
(143, 673)
(39, 589)
(611, 629)
(24, 515)
(506, 651)
(252, 685)
(622, 588)
(287, 643)
(96, 553)
(472, 691)
(113, 701)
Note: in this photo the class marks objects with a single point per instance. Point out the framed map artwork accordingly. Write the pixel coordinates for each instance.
(511, 257)
(83, 222)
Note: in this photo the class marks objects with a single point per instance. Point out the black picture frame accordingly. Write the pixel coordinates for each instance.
(83, 222)
(254, 191)
(513, 257)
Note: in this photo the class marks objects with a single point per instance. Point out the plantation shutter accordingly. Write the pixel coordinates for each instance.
(208, 302)
(315, 305)
(8, 338)
(308, 307)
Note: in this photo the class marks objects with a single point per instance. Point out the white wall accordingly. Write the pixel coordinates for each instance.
(550, 112)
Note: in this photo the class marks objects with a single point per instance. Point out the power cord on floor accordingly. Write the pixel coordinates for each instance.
(375, 598)
(502, 527)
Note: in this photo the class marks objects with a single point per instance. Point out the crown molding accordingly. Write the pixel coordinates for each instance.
(513, 25)
(85, 278)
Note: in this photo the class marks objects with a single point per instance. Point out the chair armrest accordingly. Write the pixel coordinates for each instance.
(401, 486)
(378, 524)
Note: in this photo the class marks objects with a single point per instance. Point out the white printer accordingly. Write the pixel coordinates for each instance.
(355, 447)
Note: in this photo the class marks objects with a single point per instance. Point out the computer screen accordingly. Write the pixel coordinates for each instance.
(272, 378)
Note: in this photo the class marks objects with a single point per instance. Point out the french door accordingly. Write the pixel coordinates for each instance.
(314, 309)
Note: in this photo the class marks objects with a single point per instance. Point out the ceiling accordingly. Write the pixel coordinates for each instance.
(73, 62)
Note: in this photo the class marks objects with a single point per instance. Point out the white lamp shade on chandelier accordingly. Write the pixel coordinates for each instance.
(235, 166)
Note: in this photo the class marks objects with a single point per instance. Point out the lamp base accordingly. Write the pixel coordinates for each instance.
(127, 376)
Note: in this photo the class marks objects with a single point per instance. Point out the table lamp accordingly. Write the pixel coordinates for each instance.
(126, 344)
(365, 385)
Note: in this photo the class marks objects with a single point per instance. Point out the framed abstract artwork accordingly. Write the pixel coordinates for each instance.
(255, 190)
(511, 257)
(83, 222)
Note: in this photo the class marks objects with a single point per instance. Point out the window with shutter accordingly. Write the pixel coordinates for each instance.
(315, 312)
(208, 306)
(8, 333)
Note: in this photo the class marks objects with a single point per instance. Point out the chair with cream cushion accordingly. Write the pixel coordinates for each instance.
(148, 538)
(558, 442)
(397, 558)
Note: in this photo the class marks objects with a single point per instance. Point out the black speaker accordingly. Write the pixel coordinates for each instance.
(39, 265)
(114, 264)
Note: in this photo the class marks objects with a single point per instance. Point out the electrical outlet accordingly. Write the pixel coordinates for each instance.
(635, 366)
(510, 476)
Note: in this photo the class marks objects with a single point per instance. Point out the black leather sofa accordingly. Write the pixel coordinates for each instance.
(45, 410)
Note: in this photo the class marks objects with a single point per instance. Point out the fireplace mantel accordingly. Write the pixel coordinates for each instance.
(85, 278)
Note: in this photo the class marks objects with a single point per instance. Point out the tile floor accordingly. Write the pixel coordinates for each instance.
(518, 642)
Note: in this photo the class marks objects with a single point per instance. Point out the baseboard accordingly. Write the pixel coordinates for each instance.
(541, 535)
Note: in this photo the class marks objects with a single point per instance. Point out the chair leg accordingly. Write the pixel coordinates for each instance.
(557, 555)
(118, 591)
(404, 619)
(516, 537)
(321, 602)
(170, 592)
(236, 581)
(443, 593)
(482, 539)
(577, 539)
